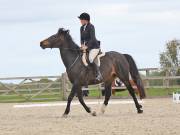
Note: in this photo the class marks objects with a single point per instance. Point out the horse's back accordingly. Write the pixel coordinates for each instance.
(115, 62)
(114, 57)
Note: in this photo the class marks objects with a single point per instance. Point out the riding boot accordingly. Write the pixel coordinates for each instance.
(98, 73)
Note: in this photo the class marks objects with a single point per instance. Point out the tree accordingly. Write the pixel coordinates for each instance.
(45, 80)
(170, 58)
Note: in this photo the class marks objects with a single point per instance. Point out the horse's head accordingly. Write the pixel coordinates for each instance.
(56, 40)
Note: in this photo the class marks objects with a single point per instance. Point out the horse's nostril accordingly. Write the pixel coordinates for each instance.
(41, 43)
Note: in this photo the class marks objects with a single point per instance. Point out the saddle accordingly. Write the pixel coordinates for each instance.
(85, 58)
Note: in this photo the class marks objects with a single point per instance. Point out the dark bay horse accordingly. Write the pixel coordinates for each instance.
(113, 65)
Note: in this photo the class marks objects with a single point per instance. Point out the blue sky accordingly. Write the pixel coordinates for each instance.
(137, 27)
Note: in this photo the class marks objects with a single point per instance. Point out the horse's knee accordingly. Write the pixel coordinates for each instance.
(70, 98)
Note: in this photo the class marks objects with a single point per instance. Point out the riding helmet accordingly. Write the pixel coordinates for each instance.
(84, 16)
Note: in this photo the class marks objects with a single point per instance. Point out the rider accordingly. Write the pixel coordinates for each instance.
(89, 41)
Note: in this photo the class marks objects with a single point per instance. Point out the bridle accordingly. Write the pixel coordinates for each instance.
(69, 69)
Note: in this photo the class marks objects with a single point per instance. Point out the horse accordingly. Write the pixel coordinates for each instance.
(113, 65)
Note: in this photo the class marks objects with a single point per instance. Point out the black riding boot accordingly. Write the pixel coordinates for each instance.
(98, 73)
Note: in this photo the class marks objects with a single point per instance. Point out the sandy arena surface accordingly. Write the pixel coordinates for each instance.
(160, 117)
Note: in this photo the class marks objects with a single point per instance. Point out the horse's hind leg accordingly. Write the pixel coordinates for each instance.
(107, 96)
(132, 93)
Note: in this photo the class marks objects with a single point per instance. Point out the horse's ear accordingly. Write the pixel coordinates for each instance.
(67, 31)
(61, 30)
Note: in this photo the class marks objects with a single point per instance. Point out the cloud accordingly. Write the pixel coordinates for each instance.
(144, 12)
(109, 10)
(165, 17)
(139, 28)
(36, 11)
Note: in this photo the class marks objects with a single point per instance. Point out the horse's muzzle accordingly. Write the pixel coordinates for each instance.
(41, 45)
(44, 44)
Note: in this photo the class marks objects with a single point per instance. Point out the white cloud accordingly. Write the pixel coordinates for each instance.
(138, 27)
(149, 12)
(165, 17)
(109, 10)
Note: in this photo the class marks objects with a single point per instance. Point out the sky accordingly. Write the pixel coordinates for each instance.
(140, 28)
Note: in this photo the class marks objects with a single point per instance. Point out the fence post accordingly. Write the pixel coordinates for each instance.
(147, 80)
(100, 91)
(166, 82)
(63, 85)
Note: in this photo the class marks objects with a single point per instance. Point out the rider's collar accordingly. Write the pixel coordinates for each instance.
(84, 26)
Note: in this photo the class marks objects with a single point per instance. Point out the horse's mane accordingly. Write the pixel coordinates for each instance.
(68, 38)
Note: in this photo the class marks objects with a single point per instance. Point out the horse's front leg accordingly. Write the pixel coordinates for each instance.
(70, 98)
(107, 96)
(81, 100)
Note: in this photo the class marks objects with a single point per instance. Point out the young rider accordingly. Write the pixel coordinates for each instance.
(89, 41)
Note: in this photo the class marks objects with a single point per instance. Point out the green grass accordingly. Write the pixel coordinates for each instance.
(57, 96)
(45, 96)
(152, 92)
(159, 92)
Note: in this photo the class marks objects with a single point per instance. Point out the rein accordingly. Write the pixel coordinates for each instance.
(71, 49)
(69, 69)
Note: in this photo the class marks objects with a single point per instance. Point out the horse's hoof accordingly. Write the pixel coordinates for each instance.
(103, 108)
(64, 116)
(93, 113)
(140, 111)
(102, 111)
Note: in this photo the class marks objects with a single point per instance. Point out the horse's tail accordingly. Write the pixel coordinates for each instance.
(136, 76)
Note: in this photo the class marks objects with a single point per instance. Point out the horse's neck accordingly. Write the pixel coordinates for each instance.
(68, 56)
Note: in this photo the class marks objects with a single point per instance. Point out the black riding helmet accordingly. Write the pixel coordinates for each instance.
(84, 16)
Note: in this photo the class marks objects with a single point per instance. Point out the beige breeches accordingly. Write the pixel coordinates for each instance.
(92, 55)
